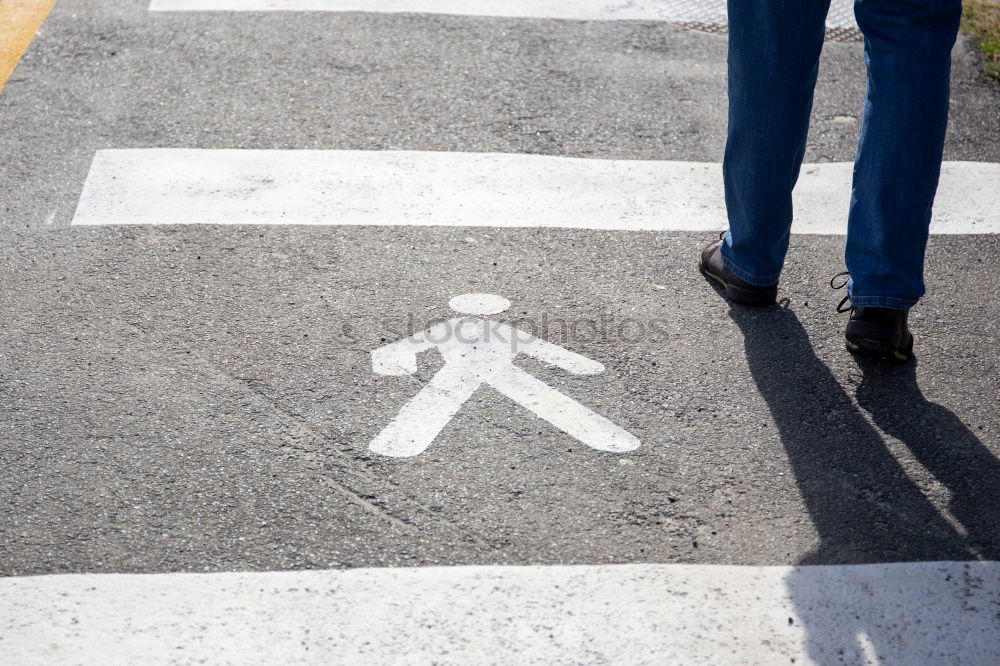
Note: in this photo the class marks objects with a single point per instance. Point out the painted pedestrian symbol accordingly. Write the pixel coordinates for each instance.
(480, 351)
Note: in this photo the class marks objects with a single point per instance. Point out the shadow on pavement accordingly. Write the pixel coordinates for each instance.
(863, 505)
(943, 445)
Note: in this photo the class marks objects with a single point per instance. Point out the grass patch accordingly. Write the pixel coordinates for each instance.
(981, 19)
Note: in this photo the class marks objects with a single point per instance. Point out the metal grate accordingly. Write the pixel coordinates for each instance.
(710, 16)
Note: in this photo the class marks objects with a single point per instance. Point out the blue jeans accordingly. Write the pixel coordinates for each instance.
(774, 49)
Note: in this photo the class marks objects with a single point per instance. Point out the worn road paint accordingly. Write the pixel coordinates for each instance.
(182, 186)
(702, 12)
(913, 613)
(480, 352)
(19, 21)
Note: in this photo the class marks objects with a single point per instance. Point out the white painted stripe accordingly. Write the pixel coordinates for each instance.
(706, 12)
(181, 186)
(915, 613)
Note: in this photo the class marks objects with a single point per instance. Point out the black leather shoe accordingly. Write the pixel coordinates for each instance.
(738, 291)
(879, 333)
(876, 332)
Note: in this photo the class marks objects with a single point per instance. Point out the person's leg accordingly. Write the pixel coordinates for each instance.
(774, 49)
(908, 53)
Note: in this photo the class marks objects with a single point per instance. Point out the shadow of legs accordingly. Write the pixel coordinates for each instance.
(943, 445)
(864, 507)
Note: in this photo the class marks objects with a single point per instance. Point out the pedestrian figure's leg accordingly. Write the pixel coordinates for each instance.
(908, 53)
(563, 412)
(425, 415)
(774, 49)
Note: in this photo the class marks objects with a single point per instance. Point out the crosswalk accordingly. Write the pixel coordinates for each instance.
(766, 505)
(702, 14)
(177, 186)
(530, 615)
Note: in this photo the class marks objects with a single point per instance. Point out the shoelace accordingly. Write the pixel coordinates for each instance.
(847, 276)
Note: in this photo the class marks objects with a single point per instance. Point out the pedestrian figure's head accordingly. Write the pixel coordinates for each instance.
(479, 304)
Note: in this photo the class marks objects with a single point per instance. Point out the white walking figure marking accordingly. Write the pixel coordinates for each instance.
(480, 351)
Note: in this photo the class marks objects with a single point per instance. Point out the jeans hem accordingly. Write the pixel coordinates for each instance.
(747, 276)
(883, 302)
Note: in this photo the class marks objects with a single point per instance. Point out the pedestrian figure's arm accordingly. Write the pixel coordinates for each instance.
(560, 357)
(400, 357)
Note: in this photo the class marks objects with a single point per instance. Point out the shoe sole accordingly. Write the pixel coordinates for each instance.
(740, 295)
(879, 349)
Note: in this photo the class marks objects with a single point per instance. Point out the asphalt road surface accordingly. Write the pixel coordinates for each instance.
(200, 398)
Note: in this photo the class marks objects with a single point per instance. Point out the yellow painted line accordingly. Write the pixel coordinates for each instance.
(19, 21)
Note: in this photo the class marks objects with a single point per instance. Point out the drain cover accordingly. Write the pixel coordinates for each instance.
(710, 16)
